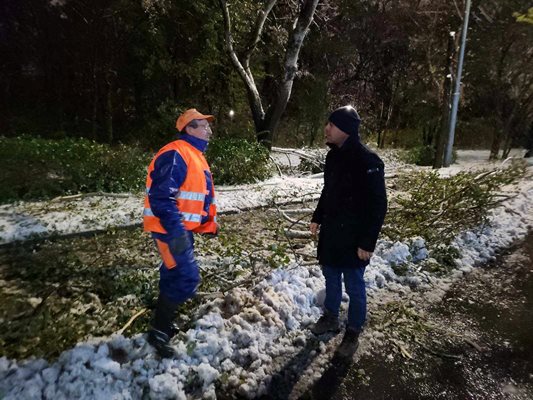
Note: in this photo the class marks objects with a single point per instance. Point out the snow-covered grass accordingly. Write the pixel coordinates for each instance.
(240, 341)
(25, 220)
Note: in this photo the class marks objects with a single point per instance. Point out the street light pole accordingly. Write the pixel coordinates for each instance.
(457, 90)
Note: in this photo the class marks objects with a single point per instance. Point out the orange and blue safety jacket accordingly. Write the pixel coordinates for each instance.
(180, 193)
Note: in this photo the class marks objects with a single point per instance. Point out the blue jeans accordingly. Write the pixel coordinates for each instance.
(355, 287)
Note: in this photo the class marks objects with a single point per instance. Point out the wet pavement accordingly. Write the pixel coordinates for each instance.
(481, 347)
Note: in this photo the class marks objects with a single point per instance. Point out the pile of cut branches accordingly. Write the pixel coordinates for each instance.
(439, 208)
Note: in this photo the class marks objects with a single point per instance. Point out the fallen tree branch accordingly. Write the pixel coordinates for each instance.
(291, 220)
(306, 255)
(312, 196)
(239, 187)
(92, 194)
(442, 355)
(213, 295)
(296, 211)
(130, 321)
(297, 234)
(277, 166)
(475, 345)
(403, 350)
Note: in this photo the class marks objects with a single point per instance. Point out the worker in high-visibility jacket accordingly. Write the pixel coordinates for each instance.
(180, 200)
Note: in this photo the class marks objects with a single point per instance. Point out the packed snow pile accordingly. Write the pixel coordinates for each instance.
(242, 340)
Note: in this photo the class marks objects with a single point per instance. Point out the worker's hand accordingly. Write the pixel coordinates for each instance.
(314, 228)
(179, 244)
(363, 254)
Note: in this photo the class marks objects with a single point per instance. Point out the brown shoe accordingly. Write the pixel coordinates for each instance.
(326, 323)
(349, 344)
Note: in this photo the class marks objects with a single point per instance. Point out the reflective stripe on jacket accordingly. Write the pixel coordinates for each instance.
(195, 199)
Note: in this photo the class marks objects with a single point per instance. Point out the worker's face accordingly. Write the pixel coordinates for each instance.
(203, 131)
(334, 135)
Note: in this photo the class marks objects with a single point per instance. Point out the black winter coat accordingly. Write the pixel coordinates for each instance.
(352, 205)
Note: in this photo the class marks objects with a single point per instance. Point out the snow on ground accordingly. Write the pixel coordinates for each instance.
(476, 160)
(240, 339)
(23, 220)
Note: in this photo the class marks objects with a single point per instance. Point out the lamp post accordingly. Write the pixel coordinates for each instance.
(457, 90)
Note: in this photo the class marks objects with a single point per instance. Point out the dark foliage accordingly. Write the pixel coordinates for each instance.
(235, 161)
(35, 168)
(120, 71)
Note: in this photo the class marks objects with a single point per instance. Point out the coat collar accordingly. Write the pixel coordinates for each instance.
(349, 143)
(194, 141)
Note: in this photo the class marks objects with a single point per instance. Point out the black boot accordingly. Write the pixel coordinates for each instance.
(163, 327)
(326, 323)
(349, 344)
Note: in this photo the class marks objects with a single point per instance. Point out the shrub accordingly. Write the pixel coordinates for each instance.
(420, 155)
(36, 168)
(236, 161)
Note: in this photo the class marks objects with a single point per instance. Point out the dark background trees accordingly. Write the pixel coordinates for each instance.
(121, 70)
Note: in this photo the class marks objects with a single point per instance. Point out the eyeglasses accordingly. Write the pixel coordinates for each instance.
(206, 126)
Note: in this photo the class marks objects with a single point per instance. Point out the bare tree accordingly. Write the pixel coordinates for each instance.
(266, 119)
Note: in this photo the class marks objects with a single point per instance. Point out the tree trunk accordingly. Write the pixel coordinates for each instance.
(266, 123)
(292, 53)
(109, 109)
(529, 143)
(380, 126)
(442, 133)
(95, 107)
(508, 138)
(496, 143)
(381, 143)
(242, 67)
(507, 148)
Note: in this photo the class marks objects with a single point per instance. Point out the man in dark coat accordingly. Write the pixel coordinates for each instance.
(349, 215)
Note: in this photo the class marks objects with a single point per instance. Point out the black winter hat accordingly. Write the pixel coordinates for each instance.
(347, 120)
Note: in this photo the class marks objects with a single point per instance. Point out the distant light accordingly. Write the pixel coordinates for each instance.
(231, 113)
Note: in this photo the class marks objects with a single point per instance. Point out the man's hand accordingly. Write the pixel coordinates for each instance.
(179, 244)
(363, 254)
(313, 228)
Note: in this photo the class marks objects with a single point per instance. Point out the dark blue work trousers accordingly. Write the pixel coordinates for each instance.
(179, 275)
